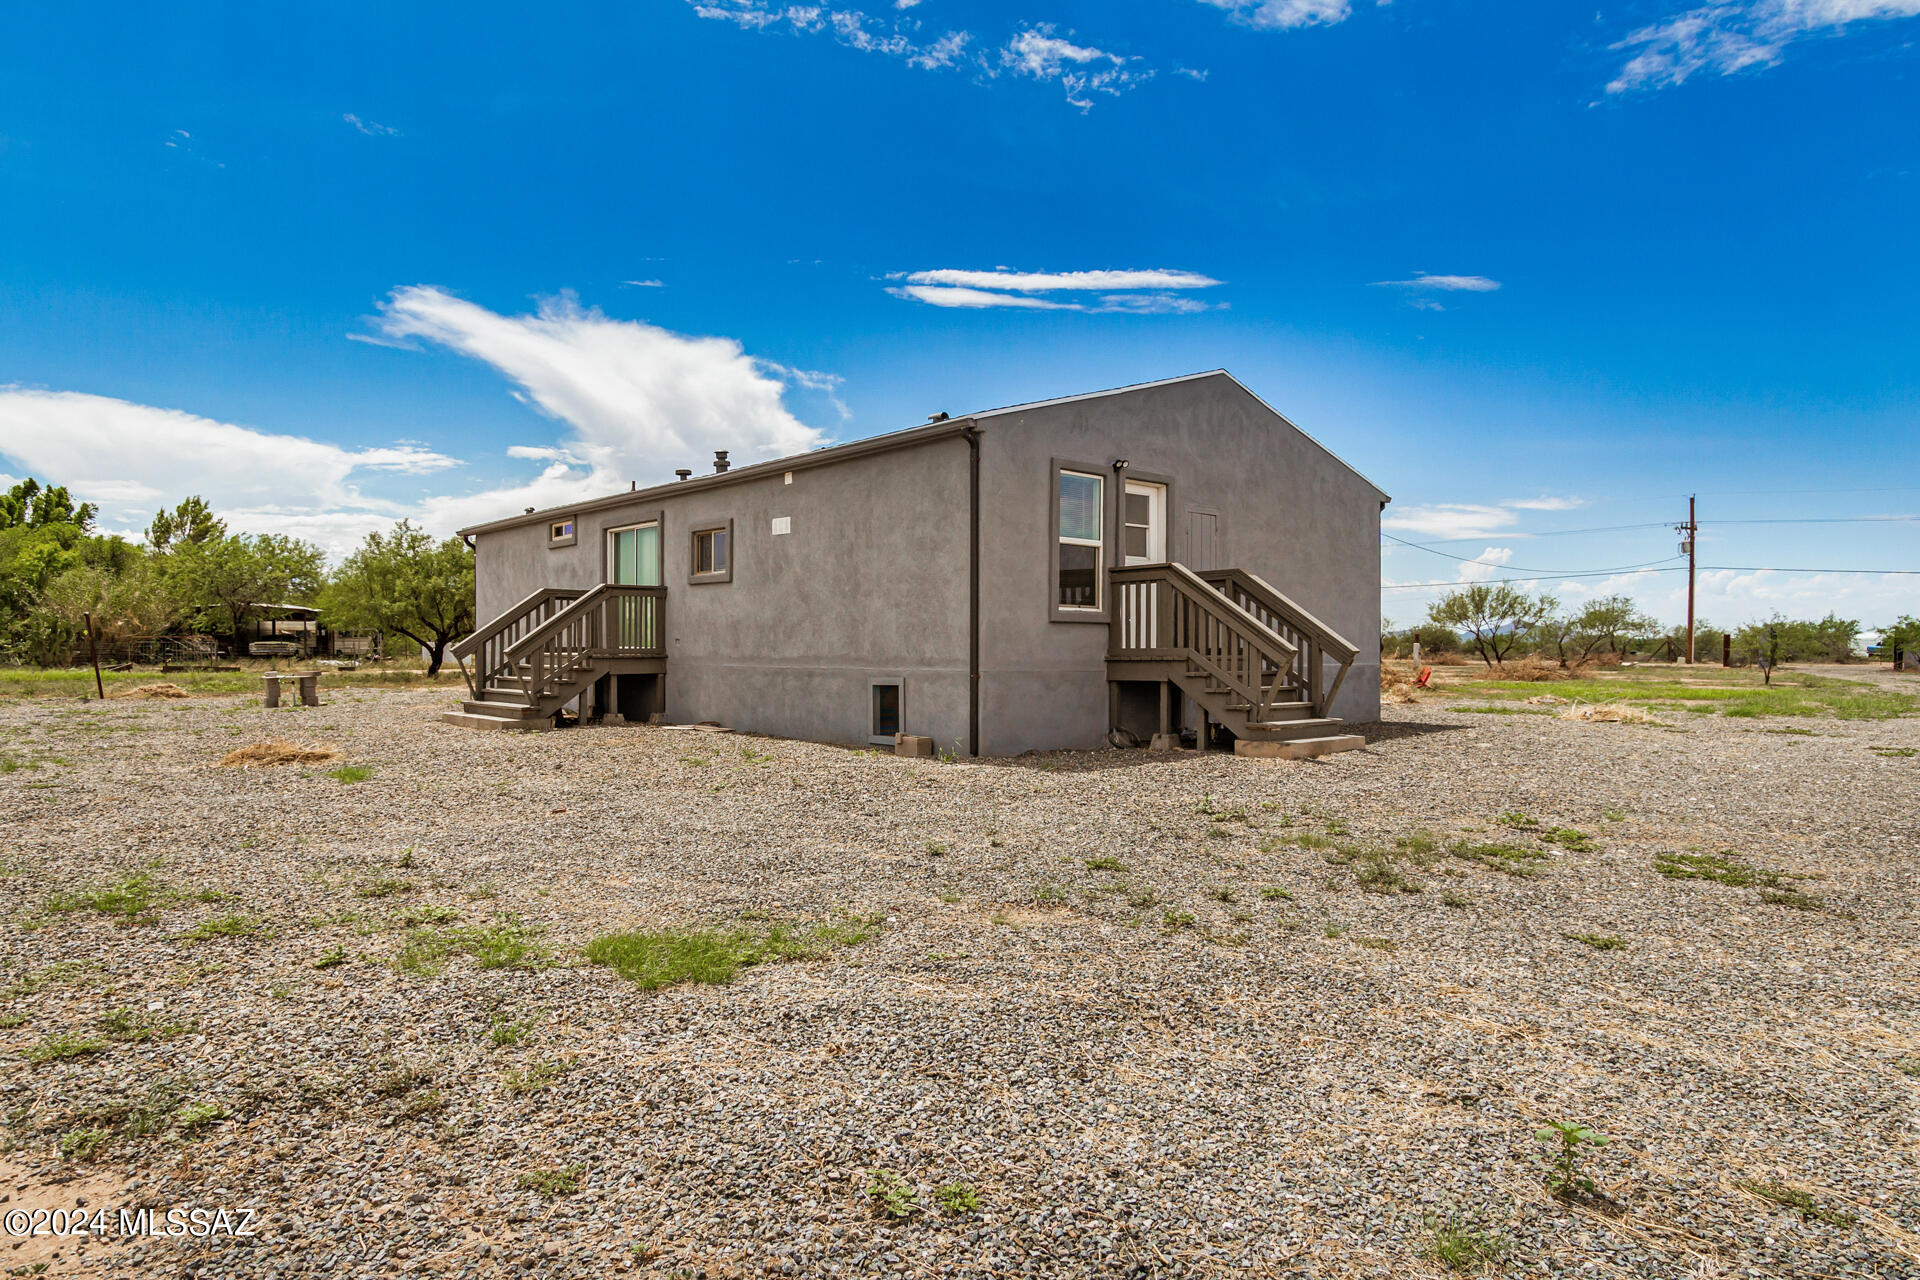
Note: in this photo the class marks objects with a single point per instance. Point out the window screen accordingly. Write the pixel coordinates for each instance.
(710, 551)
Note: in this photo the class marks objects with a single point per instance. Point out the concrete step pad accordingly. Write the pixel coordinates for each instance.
(1298, 748)
(468, 720)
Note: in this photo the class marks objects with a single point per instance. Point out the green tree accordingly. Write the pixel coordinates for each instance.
(1609, 621)
(33, 506)
(1903, 633)
(192, 521)
(405, 583)
(1494, 616)
(223, 581)
(1828, 639)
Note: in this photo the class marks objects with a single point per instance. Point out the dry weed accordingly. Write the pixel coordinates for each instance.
(152, 691)
(277, 751)
(1607, 713)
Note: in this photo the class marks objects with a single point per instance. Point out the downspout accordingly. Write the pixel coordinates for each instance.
(973, 589)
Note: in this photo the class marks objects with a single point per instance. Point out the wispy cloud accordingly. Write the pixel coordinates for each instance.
(1038, 52)
(1284, 15)
(1448, 520)
(1141, 292)
(1442, 284)
(638, 398)
(371, 128)
(644, 284)
(1545, 504)
(1730, 36)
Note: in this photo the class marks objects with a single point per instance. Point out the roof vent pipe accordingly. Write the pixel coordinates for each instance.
(937, 417)
(720, 462)
(684, 474)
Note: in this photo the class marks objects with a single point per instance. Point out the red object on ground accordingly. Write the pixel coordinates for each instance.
(1426, 674)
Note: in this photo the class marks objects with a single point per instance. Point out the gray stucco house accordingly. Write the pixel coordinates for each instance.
(1066, 574)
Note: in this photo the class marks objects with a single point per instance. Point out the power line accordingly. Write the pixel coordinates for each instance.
(1543, 533)
(1602, 573)
(1521, 567)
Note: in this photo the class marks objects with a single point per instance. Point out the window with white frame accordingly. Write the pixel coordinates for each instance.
(1082, 502)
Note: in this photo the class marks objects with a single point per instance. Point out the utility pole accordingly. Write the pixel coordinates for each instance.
(1689, 532)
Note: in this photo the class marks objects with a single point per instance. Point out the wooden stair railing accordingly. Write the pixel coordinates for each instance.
(491, 642)
(1167, 613)
(610, 621)
(1314, 641)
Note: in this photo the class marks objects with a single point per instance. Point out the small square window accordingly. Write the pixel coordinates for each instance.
(560, 533)
(710, 558)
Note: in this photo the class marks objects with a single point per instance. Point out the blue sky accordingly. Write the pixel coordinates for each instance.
(1530, 269)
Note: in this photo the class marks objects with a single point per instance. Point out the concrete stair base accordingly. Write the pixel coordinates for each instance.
(473, 720)
(1298, 748)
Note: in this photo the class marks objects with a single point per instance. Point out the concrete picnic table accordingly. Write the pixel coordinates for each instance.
(309, 686)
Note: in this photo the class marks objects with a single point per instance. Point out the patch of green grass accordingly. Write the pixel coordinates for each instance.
(1142, 898)
(84, 1144)
(135, 895)
(1106, 864)
(1377, 944)
(1172, 922)
(427, 1102)
(1454, 898)
(400, 1079)
(1508, 859)
(1273, 893)
(231, 925)
(1792, 898)
(1734, 692)
(136, 1027)
(1615, 815)
(935, 849)
(561, 1181)
(61, 973)
(652, 960)
(1378, 874)
(62, 1045)
(1218, 833)
(382, 887)
(1569, 839)
(1338, 827)
(1224, 893)
(1909, 1066)
(1895, 753)
(891, 1194)
(1048, 894)
(1598, 941)
(8, 1021)
(949, 897)
(333, 959)
(957, 1197)
(1335, 931)
(1462, 1246)
(1724, 867)
(505, 943)
(505, 1034)
(1793, 1198)
(199, 1115)
(351, 773)
(533, 1079)
(1518, 821)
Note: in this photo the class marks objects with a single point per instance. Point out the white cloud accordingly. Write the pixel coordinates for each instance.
(1050, 281)
(1192, 73)
(1448, 520)
(1443, 284)
(1151, 292)
(636, 400)
(639, 399)
(1081, 69)
(370, 128)
(261, 480)
(1544, 504)
(1730, 36)
(1035, 52)
(1483, 566)
(1284, 14)
(644, 284)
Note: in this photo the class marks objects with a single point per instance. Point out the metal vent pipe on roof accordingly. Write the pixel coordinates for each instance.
(720, 462)
(684, 474)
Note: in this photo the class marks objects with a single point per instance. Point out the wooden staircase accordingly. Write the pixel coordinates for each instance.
(552, 647)
(1254, 661)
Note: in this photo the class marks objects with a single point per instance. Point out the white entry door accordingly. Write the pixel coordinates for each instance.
(1144, 523)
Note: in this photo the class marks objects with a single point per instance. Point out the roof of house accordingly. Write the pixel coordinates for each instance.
(829, 454)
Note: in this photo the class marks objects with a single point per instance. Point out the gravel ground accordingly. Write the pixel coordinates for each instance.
(1228, 1058)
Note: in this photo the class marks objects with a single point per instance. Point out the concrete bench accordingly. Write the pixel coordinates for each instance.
(309, 686)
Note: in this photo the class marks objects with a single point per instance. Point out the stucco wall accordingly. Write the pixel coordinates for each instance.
(870, 583)
(1287, 510)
